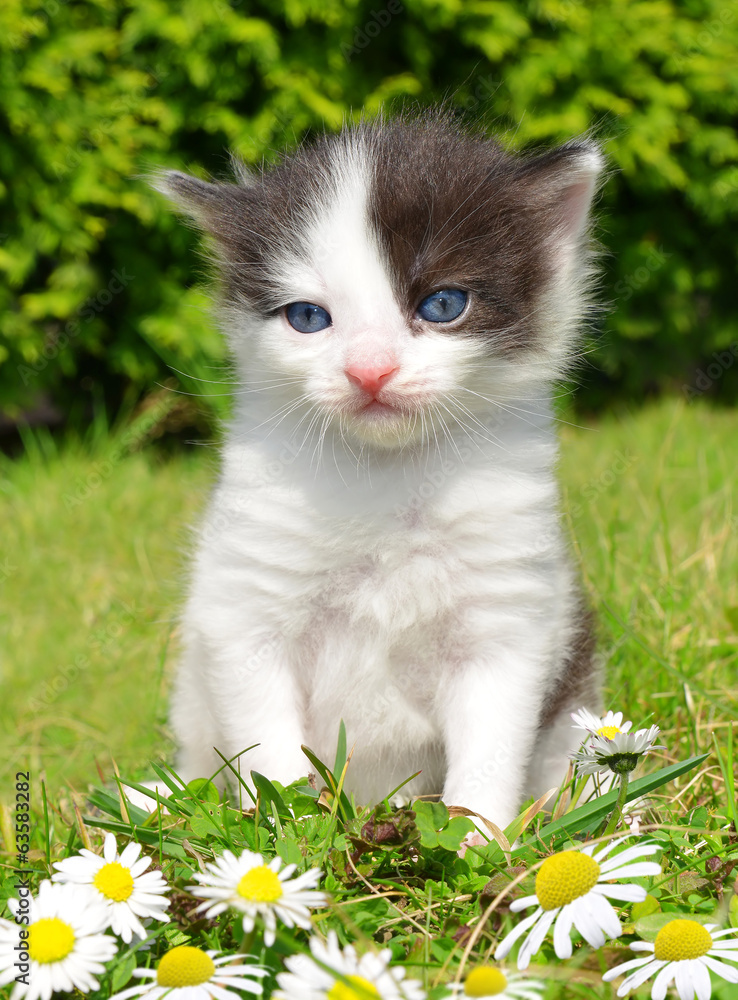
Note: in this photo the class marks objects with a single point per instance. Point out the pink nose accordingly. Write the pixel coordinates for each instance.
(371, 378)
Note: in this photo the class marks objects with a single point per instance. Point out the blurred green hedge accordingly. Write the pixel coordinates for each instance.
(101, 286)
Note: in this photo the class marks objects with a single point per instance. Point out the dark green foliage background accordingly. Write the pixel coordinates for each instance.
(100, 284)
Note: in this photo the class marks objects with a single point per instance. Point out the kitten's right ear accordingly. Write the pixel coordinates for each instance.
(189, 194)
(213, 206)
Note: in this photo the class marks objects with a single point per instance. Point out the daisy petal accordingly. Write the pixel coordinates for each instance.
(584, 923)
(726, 971)
(683, 980)
(629, 893)
(619, 970)
(605, 915)
(535, 938)
(603, 852)
(562, 934)
(638, 870)
(507, 942)
(110, 848)
(639, 977)
(700, 979)
(523, 903)
(662, 980)
(630, 854)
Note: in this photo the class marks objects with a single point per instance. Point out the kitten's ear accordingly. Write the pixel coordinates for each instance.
(563, 183)
(213, 206)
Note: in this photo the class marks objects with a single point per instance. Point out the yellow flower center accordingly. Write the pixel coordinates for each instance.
(608, 731)
(114, 882)
(260, 885)
(485, 981)
(184, 966)
(49, 940)
(565, 877)
(681, 939)
(357, 988)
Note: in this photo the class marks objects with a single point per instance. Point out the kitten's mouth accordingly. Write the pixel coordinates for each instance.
(376, 406)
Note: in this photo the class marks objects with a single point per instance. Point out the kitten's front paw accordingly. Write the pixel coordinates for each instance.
(473, 839)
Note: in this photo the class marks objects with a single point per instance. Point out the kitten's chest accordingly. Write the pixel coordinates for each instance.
(394, 578)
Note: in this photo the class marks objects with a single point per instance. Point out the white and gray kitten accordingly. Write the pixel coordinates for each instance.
(384, 543)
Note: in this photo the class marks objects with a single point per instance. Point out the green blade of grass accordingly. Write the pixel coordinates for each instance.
(270, 794)
(341, 750)
(331, 783)
(596, 811)
(110, 805)
(728, 771)
(171, 842)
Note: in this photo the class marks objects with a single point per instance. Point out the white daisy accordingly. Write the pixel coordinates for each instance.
(608, 725)
(259, 890)
(571, 887)
(684, 951)
(63, 947)
(119, 881)
(351, 978)
(619, 754)
(488, 981)
(187, 973)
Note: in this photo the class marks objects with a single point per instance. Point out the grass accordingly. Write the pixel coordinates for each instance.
(94, 563)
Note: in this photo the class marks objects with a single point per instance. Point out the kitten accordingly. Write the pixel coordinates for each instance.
(384, 545)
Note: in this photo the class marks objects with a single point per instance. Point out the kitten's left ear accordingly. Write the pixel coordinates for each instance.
(215, 207)
(562, 184)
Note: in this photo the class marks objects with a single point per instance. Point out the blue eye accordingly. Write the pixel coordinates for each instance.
(443, 306)
(306, 317)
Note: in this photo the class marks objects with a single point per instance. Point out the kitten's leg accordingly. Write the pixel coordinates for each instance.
(191, 718)
(579, 685)
(250, 690)
(490, 717)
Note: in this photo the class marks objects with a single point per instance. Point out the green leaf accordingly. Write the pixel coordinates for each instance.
(204, 789)
(288, 851)
(648, 927)
(201, 826)
(644, 909)
(593, 813)
(175, 936)
(123, 972)
(270, 795)
(311, 793)
(430, 818)
(450, 838)
(733, 911)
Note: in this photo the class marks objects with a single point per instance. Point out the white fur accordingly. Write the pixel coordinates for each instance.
(403, 572)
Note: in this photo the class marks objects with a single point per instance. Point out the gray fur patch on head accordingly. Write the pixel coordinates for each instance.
(456, 210)
(446, 209)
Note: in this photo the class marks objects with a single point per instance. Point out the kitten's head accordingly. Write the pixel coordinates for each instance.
(401, 274)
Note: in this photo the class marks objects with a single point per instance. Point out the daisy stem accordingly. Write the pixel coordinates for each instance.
(247, 942)
(620, 804)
